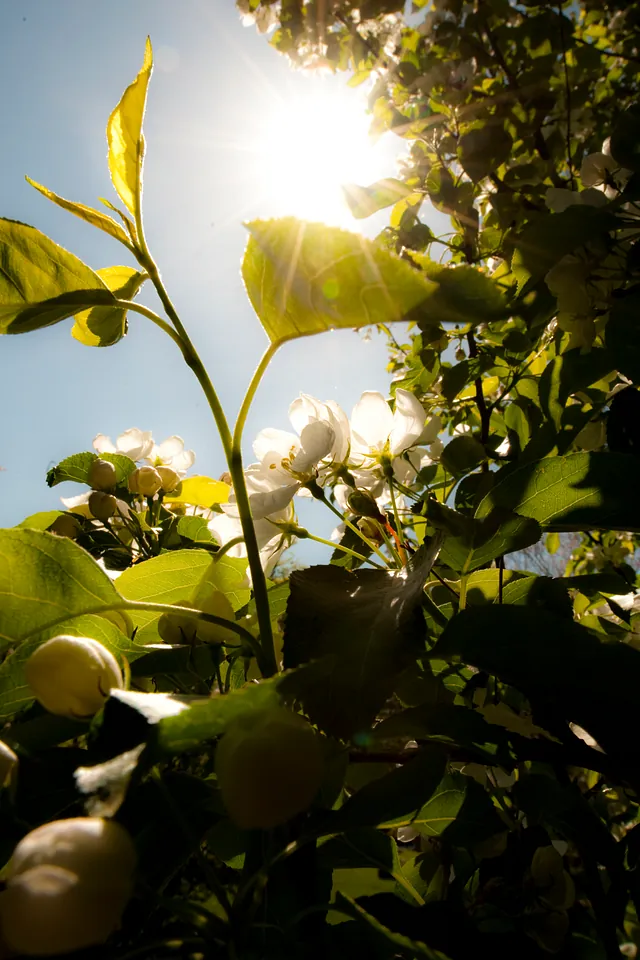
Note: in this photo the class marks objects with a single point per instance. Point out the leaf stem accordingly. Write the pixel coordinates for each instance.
(150, 315)
(265, 360)
(318, 494)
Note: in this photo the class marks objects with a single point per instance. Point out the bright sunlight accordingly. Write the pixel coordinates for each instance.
(314, 141)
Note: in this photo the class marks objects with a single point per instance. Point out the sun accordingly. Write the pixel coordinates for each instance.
(313, 141)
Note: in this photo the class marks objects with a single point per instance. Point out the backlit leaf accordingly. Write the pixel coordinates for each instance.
(365, 201)
(583, 491)
(304, 278)
(200, 492)
(104, 326)
(94, 217)
(125, 137)
(40, 282)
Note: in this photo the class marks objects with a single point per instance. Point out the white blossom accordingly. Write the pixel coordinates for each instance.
(171, 453)
(133, 443)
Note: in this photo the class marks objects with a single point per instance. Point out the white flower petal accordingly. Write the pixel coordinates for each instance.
(79, 501)
(183, 462)
(371, 422)
(303, 410)
(408, 422)
(269, 502)
(317, 441)
(134, 443)
(279, 441)
(432, 428)
(103, 444)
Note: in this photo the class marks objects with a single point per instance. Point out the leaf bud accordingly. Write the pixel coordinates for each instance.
(170, 479)
(145, 480)
(102, 505)
(102, 475)
(72, 676)
(68, 883)
(65, 525)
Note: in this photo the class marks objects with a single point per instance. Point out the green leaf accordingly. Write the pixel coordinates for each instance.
(40, 282)
(360, 628)
(44, 578)
(464, 295)
(104, 326)
(177, 577)
(41, 521)
(447, 723)
(181, 723)
(471, 543)
(88, 214)
(77, 467)
(583, 676)
(483, 148)
(365, 201)
(15, 693)
(582, 491)
(195, 529)
(545, 241)
(463, 454)
(623, 335)
(380, 938)
(126, 140)
(396, 798)
(304, 278)
(569, 373)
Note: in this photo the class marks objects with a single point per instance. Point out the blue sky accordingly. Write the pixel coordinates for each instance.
(209, 165)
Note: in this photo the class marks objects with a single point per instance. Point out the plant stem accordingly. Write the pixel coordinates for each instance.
(250, 394)
(396, 516)
(233, 456)
(173, 609)
(338, 546)
(318, 493)
(151, 315)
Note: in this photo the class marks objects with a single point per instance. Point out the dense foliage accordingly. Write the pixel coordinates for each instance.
(418, 749)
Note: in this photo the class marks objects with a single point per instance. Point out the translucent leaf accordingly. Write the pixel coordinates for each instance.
(15, 693)
(43, 578)
(125, 138)
(88, 214)
(200, 492)
(40, 282)
(582, 491)
(304, 278)
(77, 467)
(365, 201)
(104, 326)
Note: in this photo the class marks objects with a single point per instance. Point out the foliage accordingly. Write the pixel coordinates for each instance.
(412, 749)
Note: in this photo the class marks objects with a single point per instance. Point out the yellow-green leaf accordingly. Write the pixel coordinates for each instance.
(200, 492)
(125, 138)
(365, 201)
(40, 282)
(88, 214)
(303, 278)
(104, 326)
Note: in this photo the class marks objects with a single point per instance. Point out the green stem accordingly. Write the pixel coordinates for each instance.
(250, 394)
(229, 545)
(463, 591)
(150, 315)
(134, 605)
(318, 494)
(396, 516)
(233, 456)
(338, 546)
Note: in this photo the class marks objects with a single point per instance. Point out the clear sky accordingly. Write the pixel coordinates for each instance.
(221, 105)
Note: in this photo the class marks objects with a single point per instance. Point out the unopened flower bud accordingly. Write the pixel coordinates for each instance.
(65, 525)
(175, 629)
(364, 505)
(218, 605)
(370, 529)
(102, 475)
(72, 676)
(145, 480)
(68, 883)
(170, 479)
(102, 505)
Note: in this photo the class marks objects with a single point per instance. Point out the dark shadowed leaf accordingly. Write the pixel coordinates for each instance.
(471, 543)
(356, 630)
(104, 326)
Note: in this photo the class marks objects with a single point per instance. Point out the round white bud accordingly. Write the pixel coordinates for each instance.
(72, 676)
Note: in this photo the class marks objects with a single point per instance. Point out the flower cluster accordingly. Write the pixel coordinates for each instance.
(374, 449)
